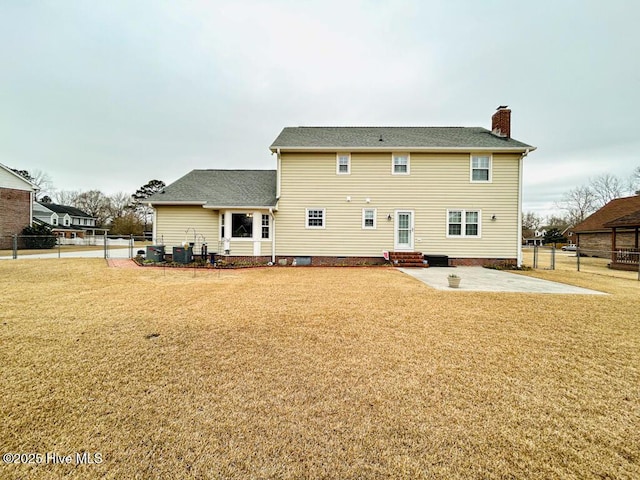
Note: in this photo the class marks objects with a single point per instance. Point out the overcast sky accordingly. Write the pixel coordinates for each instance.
(110, 94)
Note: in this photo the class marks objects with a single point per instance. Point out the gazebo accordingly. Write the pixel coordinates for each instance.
(625, 253)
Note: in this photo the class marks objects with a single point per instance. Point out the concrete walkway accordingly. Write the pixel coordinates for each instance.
(478, 279)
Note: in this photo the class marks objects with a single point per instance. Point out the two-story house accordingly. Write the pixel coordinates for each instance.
(65, 221)
(347, 194)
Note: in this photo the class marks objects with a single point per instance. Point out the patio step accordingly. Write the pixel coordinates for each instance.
(407, 259)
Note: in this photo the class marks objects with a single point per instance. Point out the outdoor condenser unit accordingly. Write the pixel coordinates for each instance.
(182, 254)
(155, 253)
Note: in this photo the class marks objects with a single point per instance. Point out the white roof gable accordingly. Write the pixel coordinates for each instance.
(10, 179)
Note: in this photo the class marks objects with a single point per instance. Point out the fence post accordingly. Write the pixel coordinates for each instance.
(106, 248)
(578, 257)
(59, 242)
(553, 257)
(130, 245)
(15, 246)
(535, 256)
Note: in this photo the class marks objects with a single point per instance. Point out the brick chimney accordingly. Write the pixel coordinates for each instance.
(501, 122)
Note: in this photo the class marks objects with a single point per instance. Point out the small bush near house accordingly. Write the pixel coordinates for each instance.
(38, 236)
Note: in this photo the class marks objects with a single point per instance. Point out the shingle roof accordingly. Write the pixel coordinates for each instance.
(72, 211)
(394, 137)
(222, 188)
(631, 220)
(613, 210)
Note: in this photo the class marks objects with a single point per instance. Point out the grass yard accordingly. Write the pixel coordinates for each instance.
(332, 373)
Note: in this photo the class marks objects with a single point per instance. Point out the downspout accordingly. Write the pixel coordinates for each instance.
(278, 170)
(273, 236)
(520, 168)
(154, 228)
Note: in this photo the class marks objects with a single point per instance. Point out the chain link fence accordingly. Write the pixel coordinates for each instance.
(622, 263)
(49, 246)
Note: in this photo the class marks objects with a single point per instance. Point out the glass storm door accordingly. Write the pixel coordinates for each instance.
(404, 231)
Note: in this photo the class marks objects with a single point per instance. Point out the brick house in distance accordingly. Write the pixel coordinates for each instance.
(16, 200)
(611, 230)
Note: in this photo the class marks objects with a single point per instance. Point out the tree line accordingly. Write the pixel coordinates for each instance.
(581, 201)
(122, 213)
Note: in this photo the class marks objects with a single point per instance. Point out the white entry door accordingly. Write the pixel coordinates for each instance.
(404, 230)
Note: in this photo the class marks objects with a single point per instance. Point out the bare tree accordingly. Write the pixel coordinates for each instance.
(41, 180)
(557, 222)
(66, 197)
(530, 221)
(605, 188)
(634, 181)
(95, 203)
(119, 205)
(579, 203)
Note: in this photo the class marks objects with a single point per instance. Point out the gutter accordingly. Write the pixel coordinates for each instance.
(387, 148)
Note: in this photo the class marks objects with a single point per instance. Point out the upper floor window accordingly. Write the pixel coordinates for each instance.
(481, 168)
(400, 164)
(343, 165)
(315, 218)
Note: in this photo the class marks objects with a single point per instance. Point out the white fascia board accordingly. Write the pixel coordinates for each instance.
(176, 202)
(234, 207)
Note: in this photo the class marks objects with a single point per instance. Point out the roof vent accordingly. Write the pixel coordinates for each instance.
(380, 139)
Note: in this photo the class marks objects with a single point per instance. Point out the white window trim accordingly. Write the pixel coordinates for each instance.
(471, 157)
(375, 218)
(464, 223)
(262, 226)
(393, 164)
(324, 218)
(343, 154)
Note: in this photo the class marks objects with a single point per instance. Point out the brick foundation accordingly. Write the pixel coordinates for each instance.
(481, 262)
(334, 261)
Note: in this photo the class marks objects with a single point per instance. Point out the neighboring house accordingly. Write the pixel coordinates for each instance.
(534, 237)
(65, 221)
(348, 194)
(16, 198)
(609, 229)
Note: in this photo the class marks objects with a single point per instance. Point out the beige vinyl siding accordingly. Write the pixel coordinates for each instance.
(245, 247)
(437, 182)
(172, 223)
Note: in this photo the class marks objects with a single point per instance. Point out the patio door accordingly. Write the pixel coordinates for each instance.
(404, 231)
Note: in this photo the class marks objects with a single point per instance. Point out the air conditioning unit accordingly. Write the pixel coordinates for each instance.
(182, 254)
(155, 253)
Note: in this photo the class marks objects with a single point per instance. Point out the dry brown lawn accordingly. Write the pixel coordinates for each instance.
(314, 373)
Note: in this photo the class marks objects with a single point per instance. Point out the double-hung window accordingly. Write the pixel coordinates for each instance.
(400, 164)
(369, 218)
(463, 223)
(315, 218)
(481, 168)
(343, 163)
(265, 226)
